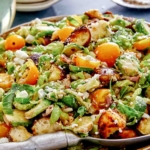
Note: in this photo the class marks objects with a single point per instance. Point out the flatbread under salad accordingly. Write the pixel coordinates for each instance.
(87, 73)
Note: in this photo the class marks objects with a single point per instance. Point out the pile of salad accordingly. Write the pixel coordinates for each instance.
(87, 73)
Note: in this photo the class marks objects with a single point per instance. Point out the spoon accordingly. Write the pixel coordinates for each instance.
(63, 139)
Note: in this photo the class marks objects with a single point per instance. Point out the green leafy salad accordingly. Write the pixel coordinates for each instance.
(86, 73)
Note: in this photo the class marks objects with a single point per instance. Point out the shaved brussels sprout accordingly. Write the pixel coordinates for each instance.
(17, 118)
(128, 64)
(79, 69)
(37, 109)
(120, 22)
(142, 27)
(82, 85)
(81, 125)
(145, 63)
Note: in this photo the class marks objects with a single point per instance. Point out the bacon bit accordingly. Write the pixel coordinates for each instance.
(48, 111)
(108, 100)
(106, 74)
(65, 59)
(46, 41)
(131, 20)
(110, 15)
(134, 79)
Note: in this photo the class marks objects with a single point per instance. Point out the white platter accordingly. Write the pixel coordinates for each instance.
(35, 6)
(128, 5)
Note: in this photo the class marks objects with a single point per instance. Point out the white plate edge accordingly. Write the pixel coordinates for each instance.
(122, 3)
(35, 7)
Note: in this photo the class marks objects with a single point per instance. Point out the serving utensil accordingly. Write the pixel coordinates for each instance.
(63, 139)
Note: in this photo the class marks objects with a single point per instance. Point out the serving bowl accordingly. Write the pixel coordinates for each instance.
(103, 142)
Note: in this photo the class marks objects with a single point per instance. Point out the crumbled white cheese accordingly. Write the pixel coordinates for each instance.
(48, 89)
(115, 121)
(84, 95)
(60, 67)
(89, 57)
(21, 54)
(22, 94)
(145, 116)
(120, 130)
(131, 103)
(60, 94)
(19, 61)
(96, 76)
(101, 111)
(68, 109)
(96, 133)
(37, 21)
(41, 93)
(30, 38)
(20, 74)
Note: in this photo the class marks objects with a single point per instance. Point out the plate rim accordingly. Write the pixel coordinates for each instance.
(29, 1)
(35, 6)
(125, 4)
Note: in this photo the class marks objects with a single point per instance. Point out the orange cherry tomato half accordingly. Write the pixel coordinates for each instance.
(64, 33)
(31, 75)
(5, 81)
(4, 130)
(82, 61)
(108, 52)
(98, 98)
(3, 63)
(14, 42)
(142, 45)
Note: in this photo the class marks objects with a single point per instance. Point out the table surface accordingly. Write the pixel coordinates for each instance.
(68, 7)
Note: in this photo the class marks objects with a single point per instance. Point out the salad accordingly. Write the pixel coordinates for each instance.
(87, 73)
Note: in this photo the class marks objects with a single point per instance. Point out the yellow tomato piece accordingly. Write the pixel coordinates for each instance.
(108, 52)
(32, 74)
(14, 42)
(82, 61)
(2, 63)
(4, 130)
(142, 45)
(64, 33)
